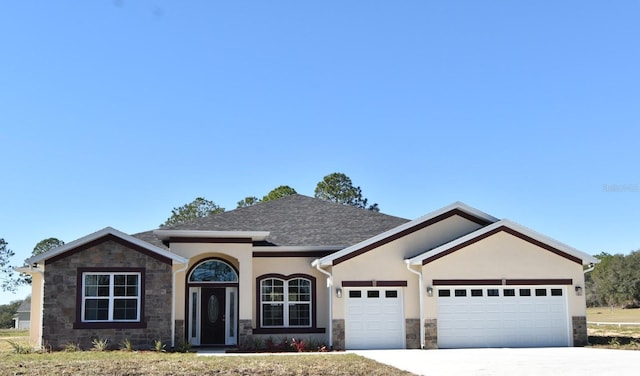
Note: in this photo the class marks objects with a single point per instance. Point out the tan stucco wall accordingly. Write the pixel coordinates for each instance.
(504, 256)
(386, 263)
(237, 255)
(35, 330)
(295, 265)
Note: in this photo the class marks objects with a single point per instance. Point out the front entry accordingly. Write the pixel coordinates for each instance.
(212, 326)
(212, 304)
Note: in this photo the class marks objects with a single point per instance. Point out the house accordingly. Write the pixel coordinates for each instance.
(306, 268)
(21, 318)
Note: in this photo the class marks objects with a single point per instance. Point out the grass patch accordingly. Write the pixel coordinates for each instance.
(606, 314)
(20, 337)
(154, 363)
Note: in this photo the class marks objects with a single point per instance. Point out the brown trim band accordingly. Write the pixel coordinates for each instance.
(513, 282)
(411, 230)
(210, 240)
(508, 231)
(466, 282)
(313, 254)
(106, 238)
(374, 284)
(500, 282)
(288, 330)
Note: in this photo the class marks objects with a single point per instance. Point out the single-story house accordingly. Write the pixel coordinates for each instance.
(306, 268)
(22, 316)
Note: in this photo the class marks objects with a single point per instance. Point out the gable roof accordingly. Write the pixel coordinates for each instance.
(456, 208)
(105, 232)
(294, 220)
(512, 228)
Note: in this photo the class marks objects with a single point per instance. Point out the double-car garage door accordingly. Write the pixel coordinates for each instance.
(502, 316)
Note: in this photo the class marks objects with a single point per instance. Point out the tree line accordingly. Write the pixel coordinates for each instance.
(336, 187)
(615, 281)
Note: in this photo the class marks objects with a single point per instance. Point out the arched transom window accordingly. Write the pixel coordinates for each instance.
(213, 271)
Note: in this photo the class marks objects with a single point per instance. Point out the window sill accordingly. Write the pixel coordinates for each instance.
(288, 330)
(109, 325)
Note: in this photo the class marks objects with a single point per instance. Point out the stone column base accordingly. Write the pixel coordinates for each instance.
(338, 334)
(412, 333)
(430, 333)
(579, 326)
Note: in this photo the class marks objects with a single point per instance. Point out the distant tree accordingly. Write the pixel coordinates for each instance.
(7, 311)
(279, 192)
(615, 281)
(337, 187)
(42, 247)
(248, 201)
(7, 280)
(198, 208)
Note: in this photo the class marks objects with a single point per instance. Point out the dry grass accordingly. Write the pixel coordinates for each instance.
(606, 314)
(153, 363)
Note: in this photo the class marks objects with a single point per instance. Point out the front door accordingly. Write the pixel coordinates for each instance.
(212, 315)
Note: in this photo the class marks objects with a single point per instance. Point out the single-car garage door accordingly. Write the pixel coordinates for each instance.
(502, 316)
(374, 319)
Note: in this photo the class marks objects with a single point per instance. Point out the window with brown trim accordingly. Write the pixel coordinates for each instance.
(285, 303)
(111, 297)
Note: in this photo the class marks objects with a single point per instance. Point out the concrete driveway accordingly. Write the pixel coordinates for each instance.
(569, 361)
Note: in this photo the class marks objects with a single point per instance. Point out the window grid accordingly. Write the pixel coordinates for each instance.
(111, 297)
(290, 309)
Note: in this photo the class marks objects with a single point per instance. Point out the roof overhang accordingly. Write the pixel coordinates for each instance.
(195, 234)
(457, 207)
(510, 227)
(176, 259)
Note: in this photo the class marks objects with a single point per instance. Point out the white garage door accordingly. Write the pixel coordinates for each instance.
(496, 316)
(374, 319)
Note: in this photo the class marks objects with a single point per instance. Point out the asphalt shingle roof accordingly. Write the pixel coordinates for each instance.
(295, 220)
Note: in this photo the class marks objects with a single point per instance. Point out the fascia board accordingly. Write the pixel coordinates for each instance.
(328, 260)
(99, 234)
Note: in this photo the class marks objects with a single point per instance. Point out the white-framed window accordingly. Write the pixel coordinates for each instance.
(285, 303)
(111, 296)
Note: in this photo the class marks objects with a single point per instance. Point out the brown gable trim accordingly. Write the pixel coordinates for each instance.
(466, 282)
(106, 238)
(512, 282)
(314, 254)
(411, 230)
(210, 240)
(509, 231)
(374, 284)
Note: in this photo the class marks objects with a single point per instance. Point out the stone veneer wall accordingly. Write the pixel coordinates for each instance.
(412, 333)
(579, 325)
(338, 334)
(245, 333)
(431, 334)
(60, 295)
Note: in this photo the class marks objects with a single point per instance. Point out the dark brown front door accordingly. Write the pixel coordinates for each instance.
(212, 316)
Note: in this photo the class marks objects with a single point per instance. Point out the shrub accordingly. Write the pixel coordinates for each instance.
(20, 348)
(159, 346)
(126, 345)
(72, 347)
(100, 344)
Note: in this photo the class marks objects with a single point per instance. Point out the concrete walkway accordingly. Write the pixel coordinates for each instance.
(565, 361)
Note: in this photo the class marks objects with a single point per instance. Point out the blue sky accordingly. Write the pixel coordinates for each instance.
(114, 112)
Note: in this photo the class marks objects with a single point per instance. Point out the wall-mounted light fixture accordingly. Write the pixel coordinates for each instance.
(429, 291)
(579, 290)
(339, 292)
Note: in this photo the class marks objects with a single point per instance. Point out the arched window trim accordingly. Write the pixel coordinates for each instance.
(202, 262)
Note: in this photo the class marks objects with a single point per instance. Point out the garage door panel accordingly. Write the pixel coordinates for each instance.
(504, 317)
(375, 319)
